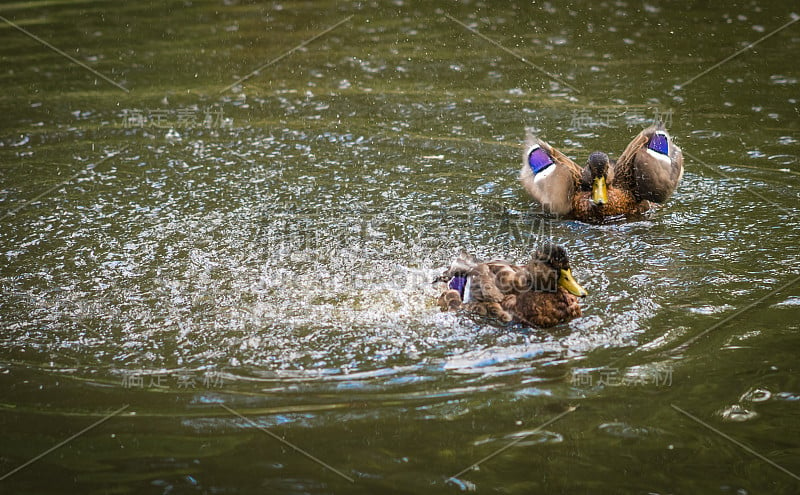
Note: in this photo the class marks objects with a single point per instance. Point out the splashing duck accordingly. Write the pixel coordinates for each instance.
(646, 174)
(542, 293)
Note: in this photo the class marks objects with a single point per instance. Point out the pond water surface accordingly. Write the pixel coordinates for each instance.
(221, 221)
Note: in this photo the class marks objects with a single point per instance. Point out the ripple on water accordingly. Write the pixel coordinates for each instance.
(791, 301)
(756, 395)
(737, 413)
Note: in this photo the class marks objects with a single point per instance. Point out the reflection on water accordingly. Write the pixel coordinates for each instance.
(272, 248)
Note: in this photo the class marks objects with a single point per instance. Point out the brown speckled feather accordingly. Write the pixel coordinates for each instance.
(545, 309)
(484, 285)
(620, 202)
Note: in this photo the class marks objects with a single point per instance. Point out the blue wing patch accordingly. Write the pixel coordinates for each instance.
(659, 143)
(458, 283)
(538, 159)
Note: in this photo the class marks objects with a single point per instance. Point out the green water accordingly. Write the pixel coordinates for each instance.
(179, 247)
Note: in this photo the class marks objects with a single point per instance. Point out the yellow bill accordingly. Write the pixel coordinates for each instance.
(599, 191)
(566, 280)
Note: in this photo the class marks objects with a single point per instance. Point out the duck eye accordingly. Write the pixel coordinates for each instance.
(538, 159)
(458, 283)
(659, 143)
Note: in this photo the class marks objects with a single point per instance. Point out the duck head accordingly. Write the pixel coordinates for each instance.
(598, 165)
(556, 258)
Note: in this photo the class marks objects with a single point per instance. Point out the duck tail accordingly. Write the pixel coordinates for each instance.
(463, 265)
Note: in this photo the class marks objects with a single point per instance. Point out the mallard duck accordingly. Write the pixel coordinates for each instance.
(542, 293)
(647, 172)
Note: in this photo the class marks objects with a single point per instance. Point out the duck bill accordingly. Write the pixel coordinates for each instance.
(567, 281)
(599, 191)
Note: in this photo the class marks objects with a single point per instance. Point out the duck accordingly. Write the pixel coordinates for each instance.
(541, 293)
(646, 174)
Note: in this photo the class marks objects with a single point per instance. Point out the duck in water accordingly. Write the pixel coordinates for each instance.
(541, 293)
(646, 174)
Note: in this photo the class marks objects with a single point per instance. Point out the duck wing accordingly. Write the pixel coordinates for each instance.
(472, 279)
(549, 176)
(651, 165)
(484, 285)
(510, 279)
(463, 266)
